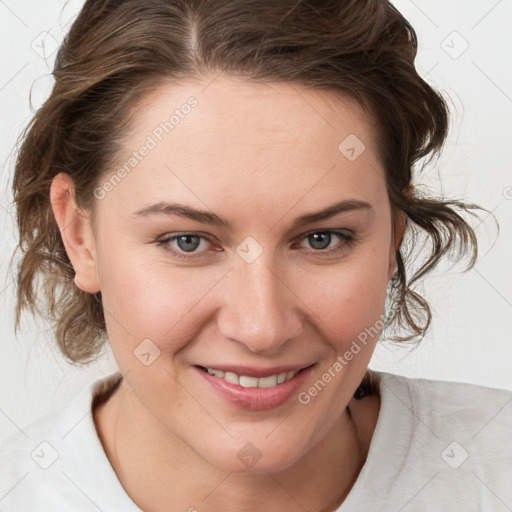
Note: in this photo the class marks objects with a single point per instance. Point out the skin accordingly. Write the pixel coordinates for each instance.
(259, 156)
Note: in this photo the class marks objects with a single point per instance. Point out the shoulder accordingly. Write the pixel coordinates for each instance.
(437, 445)
(467, 406)
(457, 436)
(471, 413)
(454, 391)
(58, 461)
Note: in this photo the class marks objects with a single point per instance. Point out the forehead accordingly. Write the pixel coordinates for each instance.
(233, 109)
(223, 138)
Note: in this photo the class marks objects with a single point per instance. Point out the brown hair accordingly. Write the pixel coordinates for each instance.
(118, 50)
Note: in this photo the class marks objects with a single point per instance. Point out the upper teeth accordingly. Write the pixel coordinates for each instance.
(253, 382)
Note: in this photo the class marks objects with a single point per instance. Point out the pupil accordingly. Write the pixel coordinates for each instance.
(188, 243)
(320, 240)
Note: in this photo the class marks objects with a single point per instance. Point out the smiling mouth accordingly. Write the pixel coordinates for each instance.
(253, 382)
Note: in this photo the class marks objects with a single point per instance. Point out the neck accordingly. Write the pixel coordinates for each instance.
(156, 468)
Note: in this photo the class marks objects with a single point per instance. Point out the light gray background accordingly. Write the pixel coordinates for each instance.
(470, 339)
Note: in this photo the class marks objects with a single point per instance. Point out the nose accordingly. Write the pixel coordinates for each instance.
(259, 307)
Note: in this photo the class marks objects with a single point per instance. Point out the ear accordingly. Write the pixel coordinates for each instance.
(397, 237)
(76, 233)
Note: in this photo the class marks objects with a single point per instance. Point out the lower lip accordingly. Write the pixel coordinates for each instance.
(256, 399)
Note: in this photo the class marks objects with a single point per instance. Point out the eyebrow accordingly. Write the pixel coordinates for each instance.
(205, 217)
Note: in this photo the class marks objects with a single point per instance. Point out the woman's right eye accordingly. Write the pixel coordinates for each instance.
(184, 245)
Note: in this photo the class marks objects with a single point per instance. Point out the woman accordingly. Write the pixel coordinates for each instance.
(222, 190)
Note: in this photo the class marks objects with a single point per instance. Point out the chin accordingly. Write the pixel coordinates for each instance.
(257, 456)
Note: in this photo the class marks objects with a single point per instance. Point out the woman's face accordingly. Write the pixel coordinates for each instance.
(285, 252)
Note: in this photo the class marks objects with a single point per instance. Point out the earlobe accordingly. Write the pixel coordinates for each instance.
(76, 233)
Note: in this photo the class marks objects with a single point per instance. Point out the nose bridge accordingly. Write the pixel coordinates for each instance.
(259, 309)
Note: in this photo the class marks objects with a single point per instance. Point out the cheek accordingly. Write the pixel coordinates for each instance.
(144, 298)
(349, 300)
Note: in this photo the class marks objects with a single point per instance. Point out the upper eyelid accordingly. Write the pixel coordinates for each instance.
(327, 230)
(208, 236)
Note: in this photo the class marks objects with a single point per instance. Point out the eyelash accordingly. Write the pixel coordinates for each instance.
(348, 239)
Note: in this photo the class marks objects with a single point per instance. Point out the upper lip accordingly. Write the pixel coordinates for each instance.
(251, 371)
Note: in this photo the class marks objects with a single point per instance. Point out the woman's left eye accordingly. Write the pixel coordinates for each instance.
(193, 245)
(322, 241)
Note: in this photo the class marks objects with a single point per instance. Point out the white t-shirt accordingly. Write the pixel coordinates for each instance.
(437, 446)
